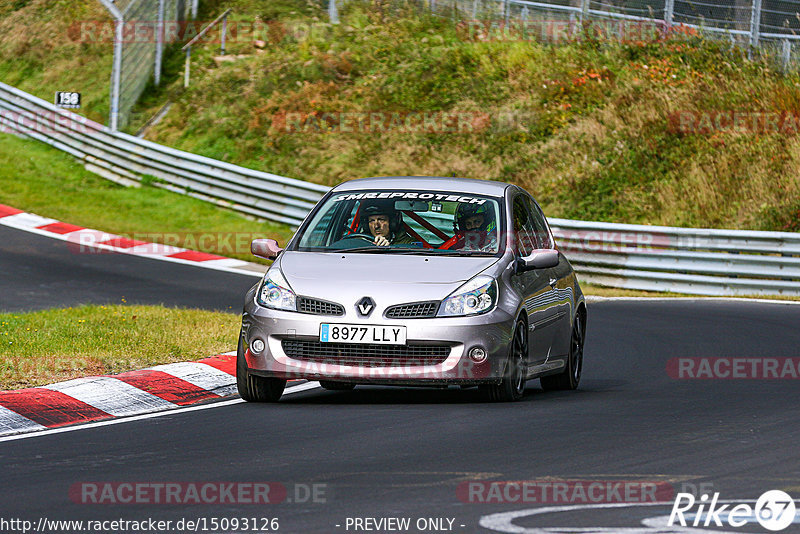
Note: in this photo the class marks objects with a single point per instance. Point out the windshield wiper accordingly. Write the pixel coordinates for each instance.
(463, 253)
(370, 248)
(388, 250)
(405, 251)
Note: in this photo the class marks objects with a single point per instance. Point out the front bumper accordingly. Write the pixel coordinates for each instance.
(450, 338)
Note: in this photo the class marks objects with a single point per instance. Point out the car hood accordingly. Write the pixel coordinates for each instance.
(341, 277)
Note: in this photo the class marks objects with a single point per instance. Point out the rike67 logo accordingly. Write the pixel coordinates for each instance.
(774, 510)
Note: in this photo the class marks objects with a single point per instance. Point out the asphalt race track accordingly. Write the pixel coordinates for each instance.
(405, 453)
(37, 272)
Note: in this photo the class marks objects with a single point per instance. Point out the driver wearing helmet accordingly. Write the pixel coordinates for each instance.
(475, 226)
(384, 223)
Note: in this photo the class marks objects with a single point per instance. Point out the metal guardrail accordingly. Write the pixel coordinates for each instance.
(656, 258)
(682, 260)
(127, 159)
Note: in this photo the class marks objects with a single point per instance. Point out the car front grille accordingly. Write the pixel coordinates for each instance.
(414, 310)
(318, 307)
(365, 355)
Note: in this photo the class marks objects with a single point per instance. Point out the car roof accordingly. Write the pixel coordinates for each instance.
(429, 183)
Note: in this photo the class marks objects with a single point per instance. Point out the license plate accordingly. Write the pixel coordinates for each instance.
(362, 333)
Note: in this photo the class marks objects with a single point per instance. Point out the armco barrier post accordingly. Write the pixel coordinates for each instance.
(159, 43)
(669, 12)
(116, 75)
(224, 31)
(755, 23)
(116, 69)
(187, 64)
(333, 12)
(787, 54)
(188, 46)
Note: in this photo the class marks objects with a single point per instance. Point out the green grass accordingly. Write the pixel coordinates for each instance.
(48, 346)
(584, 126)
(41, 51)
(37, 178)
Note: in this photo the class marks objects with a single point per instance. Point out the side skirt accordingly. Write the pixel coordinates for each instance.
(546, 368)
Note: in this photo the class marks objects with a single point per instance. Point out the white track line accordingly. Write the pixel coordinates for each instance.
(294, 389)
(28, 221)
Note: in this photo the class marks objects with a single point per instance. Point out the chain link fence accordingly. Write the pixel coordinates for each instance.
(768, 27)
(142, 29)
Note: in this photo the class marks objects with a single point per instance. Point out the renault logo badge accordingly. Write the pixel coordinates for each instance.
(365, 306)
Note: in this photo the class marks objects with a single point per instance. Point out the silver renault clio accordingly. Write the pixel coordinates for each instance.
(415, 281)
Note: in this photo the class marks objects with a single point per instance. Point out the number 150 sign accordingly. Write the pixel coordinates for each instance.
(68, 100)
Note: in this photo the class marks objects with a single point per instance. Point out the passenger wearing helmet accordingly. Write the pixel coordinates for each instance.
(475, 227)
(383, 222)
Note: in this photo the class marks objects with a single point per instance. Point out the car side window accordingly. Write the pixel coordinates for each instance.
(320, 235)
(524, 231)
(540, 224)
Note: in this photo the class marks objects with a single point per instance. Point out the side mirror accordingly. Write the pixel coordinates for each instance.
(265, 248)
(538, 259)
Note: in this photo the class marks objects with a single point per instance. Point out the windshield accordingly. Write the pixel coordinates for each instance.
(405, 222)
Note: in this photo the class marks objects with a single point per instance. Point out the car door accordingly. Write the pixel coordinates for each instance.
(561, 281)
(533, 286)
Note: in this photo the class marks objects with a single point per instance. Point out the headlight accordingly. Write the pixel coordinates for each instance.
(476, 296)
(276, 293)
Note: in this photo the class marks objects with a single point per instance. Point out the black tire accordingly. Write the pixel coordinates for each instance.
(254, 388)
(570, 377)
(336, 386)
(512, 387)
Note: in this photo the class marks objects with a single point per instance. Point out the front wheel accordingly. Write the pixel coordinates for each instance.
(570, 377)
(253, 388)
(512, 387)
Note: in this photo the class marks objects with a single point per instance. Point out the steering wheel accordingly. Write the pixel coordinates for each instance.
(358, 236)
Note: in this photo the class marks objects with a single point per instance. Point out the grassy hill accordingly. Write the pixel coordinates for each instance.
(589, 126)
(41, 55)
